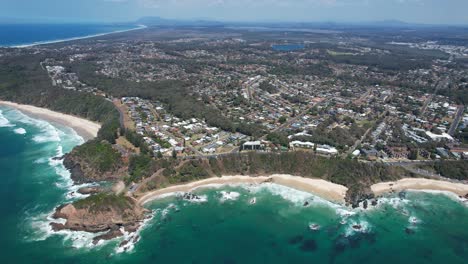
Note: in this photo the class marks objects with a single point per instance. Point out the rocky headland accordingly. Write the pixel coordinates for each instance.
(103, 212)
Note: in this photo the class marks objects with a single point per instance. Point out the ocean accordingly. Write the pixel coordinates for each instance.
(224, 226)
(28, 34)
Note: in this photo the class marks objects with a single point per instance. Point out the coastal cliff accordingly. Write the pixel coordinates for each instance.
(102, 212)
(94, 161)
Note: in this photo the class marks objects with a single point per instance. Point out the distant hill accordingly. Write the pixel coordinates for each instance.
(158, 21)
(396, 24)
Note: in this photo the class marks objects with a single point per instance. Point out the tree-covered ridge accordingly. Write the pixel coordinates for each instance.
(99, 155)
(24, 81)
(449, 169)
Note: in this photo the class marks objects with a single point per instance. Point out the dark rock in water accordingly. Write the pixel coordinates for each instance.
(364, 204)
(132, 227)
(353, 198)
(357, 227)
(306, 203)
(374, 202)
(124, 243)
(76, 172)
(308, 245)
(339, 246)
(190, 196)
(57, 226)
(296, 240)
(58, 158)
(402, 195)
(89, 190)
(104, 215)
(107, 236)
(409, 231)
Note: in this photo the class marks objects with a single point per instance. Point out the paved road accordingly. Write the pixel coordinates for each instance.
(456, 121)
(121, 117)
(440, 85)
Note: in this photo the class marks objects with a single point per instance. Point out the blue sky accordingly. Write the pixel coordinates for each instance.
(416, 11)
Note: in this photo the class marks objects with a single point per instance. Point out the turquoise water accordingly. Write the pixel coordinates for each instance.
(222, 228)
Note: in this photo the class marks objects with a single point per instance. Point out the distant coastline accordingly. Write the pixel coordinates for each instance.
(83, 127)
(27, 45)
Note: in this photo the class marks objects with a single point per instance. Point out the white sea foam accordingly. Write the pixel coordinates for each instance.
(297, 197)
(4, 122)
(414, 220)
(362, 226)
(50, 135)
(200, 199)
(49, 132)
(41, 160)
(448, 194)
(40, 225)
(73, 193)
(229, 196)
(289, 194)
(396, 202)
(20, 131)
(132, 238)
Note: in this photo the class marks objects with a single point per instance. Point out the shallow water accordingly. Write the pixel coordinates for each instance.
(224, 227)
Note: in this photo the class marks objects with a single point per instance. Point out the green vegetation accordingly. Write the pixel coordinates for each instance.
(99, 155)
(140, 167)
(278, 138)
(190, 171)
(266, 86)
(24, 81)
(452, 169)
(105, 201)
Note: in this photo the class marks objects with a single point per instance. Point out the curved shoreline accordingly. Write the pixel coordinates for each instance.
(459, 189)
(83, 127)
(71, 39)
(328, 190)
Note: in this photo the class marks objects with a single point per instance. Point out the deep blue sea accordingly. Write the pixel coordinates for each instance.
(26, 34)
(223, 227)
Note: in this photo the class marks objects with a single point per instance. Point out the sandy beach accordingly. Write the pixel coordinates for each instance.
(420, 184)
(330, 191)
(85, 128)
(77, 38)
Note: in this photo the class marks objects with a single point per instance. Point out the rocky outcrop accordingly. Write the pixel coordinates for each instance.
(101, 213)
(83, 172)
(357, 194)
(90, 190)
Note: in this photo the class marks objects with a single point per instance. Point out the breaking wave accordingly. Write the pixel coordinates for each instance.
(20, 131)
(4, 122)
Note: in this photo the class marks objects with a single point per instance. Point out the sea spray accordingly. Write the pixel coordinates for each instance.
(20, 131)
